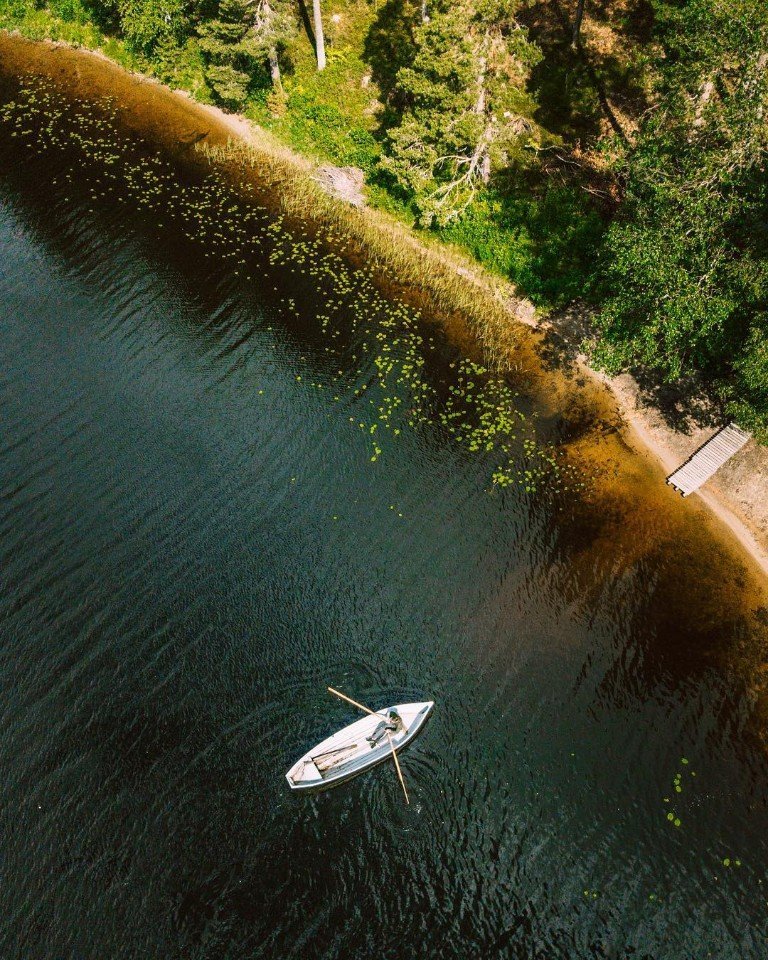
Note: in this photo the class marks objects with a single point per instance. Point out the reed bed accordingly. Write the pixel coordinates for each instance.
(242, 203)
(433, 279)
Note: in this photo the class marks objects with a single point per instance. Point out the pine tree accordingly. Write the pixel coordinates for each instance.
(222, 41)
(466, 111)
(272, 28)
(245, 35)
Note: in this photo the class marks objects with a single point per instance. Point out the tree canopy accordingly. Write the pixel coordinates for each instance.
(684, 278)
(466, 109)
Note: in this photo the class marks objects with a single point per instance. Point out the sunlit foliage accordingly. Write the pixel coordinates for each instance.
(684, 280)
(466, 111)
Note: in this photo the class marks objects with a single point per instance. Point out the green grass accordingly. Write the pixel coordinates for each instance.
(544, 241)
(64, 20)
(541, 238)
(179, 66)
(67, 21)
(318, 128)
(330, 116)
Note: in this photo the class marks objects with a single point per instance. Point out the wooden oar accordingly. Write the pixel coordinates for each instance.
(354, 703)
(338, 693)
(397, 764)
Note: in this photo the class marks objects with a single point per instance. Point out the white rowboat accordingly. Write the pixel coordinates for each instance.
(348, 753)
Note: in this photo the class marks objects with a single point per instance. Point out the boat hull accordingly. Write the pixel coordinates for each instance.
(304, 776)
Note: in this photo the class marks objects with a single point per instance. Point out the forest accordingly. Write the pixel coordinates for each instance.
(606, 152)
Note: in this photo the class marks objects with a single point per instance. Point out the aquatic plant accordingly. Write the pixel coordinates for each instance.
(258, 224)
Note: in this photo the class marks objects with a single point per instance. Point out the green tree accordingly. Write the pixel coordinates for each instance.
(244, 36)
(224, 41)
(145, 23)
(684, 276)
(466, 109)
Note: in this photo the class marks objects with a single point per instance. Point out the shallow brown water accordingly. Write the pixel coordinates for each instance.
(195, 541)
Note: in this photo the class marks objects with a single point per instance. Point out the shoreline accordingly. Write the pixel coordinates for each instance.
(737, 497)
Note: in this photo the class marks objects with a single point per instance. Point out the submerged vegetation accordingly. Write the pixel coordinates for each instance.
(614, 154)
(372, 347)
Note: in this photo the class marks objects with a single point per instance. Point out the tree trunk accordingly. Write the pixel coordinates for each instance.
(576, 37)
(424, 12)
(479, 106)
(485, 168)
(317, 16)
(274, 70)
(481, 158)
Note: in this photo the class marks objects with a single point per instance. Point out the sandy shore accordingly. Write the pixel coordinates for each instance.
(670, 425)
(737, 495)
(665, 430)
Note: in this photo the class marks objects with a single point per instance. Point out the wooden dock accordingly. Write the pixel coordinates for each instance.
(708, 459)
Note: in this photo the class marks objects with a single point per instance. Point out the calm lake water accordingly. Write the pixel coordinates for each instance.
(199, 530)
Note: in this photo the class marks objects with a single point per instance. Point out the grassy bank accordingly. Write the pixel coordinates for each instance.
(425, 275)
(631, 181)
(538, 232)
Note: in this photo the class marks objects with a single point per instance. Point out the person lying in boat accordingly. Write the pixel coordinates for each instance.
(393, 724)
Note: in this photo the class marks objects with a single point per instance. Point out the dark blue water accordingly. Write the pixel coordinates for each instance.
(195, 541)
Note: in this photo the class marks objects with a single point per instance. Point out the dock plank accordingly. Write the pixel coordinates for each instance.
(708, 459)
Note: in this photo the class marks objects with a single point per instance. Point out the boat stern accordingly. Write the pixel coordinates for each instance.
(303, 775)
